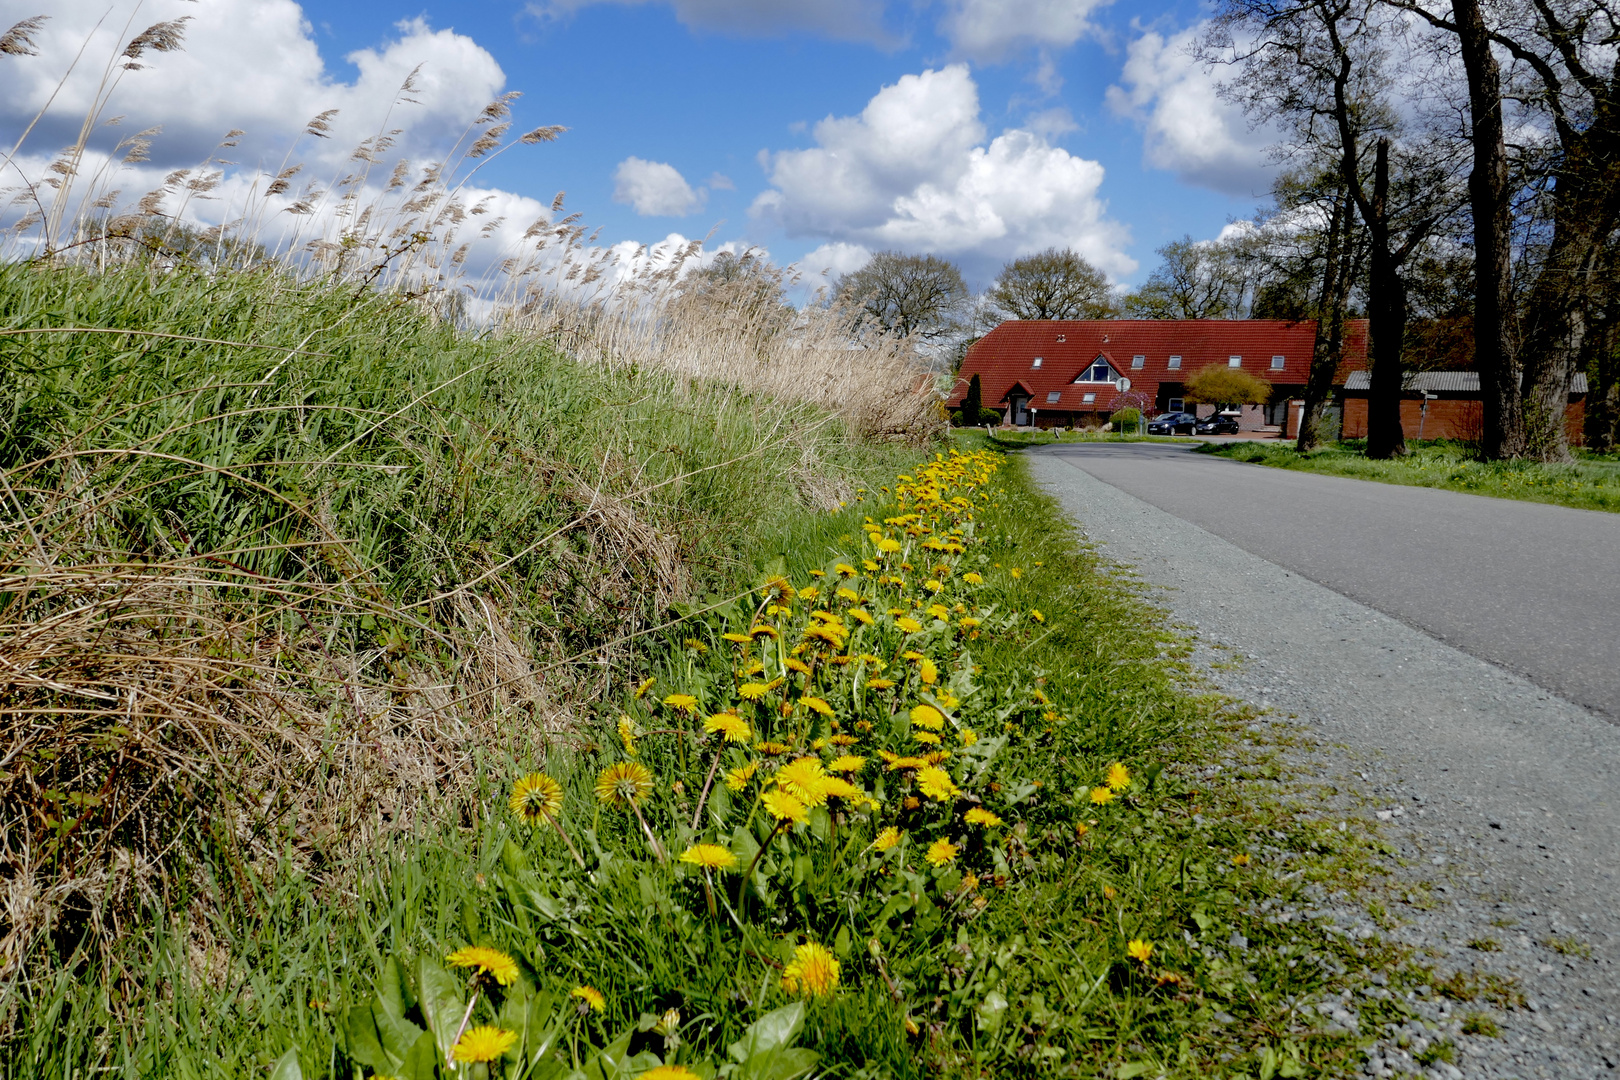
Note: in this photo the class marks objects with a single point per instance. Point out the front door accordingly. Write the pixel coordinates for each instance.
(1020, 411)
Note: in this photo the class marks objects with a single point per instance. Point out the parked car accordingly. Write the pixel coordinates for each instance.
(1172, 423)
(1217, 425)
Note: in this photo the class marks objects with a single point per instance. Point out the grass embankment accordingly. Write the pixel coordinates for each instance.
(1017, 438)
(293, 625)
(1590, 482)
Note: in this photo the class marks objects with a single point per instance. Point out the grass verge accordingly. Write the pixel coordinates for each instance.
(1590, 482)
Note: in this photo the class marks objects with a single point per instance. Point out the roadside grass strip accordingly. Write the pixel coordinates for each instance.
(1589, 482)
(929, 802)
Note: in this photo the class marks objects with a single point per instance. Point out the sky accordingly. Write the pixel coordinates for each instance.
(977, 130)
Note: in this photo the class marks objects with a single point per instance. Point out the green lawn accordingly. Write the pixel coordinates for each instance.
(1590, 482)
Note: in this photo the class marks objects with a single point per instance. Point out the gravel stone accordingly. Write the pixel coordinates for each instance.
(1498, 801)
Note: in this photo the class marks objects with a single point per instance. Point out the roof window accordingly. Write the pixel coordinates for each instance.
(1137, 362)
(1277, 363)
(1175, 363)
(1037, 362)
(1089, 398)
(1052, 396)
(1234, 361)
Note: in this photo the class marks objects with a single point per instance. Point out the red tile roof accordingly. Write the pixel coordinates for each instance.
(1005, 357)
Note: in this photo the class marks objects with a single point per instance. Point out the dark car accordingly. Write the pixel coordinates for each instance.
(1172, 423)
(1217, 425)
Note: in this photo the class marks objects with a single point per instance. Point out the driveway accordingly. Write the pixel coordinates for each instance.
(1531, 588)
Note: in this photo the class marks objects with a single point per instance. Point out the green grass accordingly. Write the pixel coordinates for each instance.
(1590, 482)
(1017, 438)
(392, 460)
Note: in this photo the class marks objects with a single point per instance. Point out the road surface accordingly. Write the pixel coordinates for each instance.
(1531, 588)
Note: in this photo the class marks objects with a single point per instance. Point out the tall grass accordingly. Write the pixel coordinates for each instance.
(275, 598)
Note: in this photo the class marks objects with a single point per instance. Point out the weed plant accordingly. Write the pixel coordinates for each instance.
(1590, 482)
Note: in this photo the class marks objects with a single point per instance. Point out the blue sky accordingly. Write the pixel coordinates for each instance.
(1006, 124)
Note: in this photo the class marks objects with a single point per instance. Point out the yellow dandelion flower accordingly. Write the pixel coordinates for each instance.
(669, 1072)
(622, 783)
(812, 973)
(752, 691)
(936, 784)
(848, 594)
(483, 1043)
(1015, 572)
(898, 763)
(927, 716)
(880, 684)
(907, 624)
(793, 664)
(683, 702)
(784, 807)
(941, 852)
(861, 615)
(968, 623)
(926, 737)
(847, 763)
(871, 567)
(801, 778)
(627, 735)
(968, 736)
(733, 727)
(980, 816)
(1102, 796)
(972, 578)
(696, 646)
(809, 592)
(933, 586)
(940, 612)
(646, 684)
(709, 856)
(771, 749)
(740, 639)
(833, 787)
(1139, 950)
(927, 671)
(888, 545)
(1119, 777)
(1035, 613)
(815, 704)
(761, 630)
(1109, 892)
(886, 839)
(737, 779)
(1241, 860)
(486, 961)
(844, 570)
(536, 797)
(844, 740)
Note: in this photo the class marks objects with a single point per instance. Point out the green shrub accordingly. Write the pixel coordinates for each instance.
(1127, 419)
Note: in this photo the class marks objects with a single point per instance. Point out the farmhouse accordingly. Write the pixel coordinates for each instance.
(1059, 373)
(1445, 405)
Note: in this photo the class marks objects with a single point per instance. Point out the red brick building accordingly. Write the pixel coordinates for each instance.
(1445, 405)
(1052, 373)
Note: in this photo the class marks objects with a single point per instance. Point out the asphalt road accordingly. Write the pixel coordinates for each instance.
(1531, 588)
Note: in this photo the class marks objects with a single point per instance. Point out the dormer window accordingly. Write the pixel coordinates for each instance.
(1099, 371)
(1037, 362)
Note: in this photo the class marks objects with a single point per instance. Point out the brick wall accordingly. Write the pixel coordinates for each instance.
(1449, 418)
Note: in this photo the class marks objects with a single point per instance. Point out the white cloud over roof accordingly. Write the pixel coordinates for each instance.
(916, 171)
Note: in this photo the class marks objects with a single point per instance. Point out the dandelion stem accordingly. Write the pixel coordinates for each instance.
(749, 873)
(449, 1054)
(658, 849)
(708, 891)
(572, 850)
(708, 781)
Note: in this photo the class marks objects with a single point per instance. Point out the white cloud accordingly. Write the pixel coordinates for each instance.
(845, 20)
(833, 261)
(989, 30)
(913, 171)
(1188, 129)
(653, 189)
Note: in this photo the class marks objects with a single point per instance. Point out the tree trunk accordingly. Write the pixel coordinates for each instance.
(1603, 386)
(1494, 339)
(1386, 325)
(1329, 347)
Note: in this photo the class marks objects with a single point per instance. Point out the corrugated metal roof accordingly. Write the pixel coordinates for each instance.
(1005, 358)
(1443, 382)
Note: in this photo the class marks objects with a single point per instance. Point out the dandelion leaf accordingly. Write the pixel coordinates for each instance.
(441, 1002)
(287, 1067)
(766, 1051)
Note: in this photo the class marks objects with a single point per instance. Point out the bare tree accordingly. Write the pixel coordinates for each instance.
(1053, 284)
(919, 296)
(1194, 280)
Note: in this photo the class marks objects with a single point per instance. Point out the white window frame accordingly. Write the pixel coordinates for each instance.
(1088, 399)
(1138, 363)
(1037, 362)
(1175, 363)
(1053, 396)
(1176, 404)
(1277, 362)
(1234, 361)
